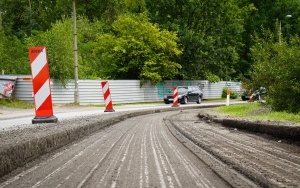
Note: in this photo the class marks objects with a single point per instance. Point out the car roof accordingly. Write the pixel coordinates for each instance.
(188, 86)
(182, 86)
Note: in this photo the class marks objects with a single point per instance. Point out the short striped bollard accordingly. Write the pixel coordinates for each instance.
(175, 97)
(107, 97)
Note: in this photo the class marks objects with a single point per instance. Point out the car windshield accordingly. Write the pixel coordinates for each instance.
(182, 90)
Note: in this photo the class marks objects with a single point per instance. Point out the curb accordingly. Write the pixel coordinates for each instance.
(276, 129)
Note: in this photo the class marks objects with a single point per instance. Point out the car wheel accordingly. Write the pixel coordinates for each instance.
(185, 100)
(199, 100)
(167, 103)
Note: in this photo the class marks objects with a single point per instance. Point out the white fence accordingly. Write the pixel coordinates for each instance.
(122, 91)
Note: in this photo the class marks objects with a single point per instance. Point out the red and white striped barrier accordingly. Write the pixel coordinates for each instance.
(41, 85)
(175, 97)
(107, 97)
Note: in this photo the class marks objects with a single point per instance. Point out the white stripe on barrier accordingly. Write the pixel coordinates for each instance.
(39, 63)
(107, 100)
(105, 88)
(42, 94)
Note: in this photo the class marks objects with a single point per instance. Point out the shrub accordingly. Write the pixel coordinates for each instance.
(233, 94)
(277, 67)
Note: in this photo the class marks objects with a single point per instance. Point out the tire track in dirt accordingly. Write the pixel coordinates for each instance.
(265, 161)
(43, 174)
(137, 152)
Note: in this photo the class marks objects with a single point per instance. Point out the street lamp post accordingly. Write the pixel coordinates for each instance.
(280, 33)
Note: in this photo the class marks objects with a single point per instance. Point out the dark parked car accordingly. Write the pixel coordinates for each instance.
(185, 94)
(258, 94)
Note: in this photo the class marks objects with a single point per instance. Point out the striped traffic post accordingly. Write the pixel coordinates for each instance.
(228, 97)
(107, 97)
(41, 86)
(175, 97)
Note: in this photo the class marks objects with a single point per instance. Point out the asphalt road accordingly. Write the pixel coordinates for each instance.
(148, 151)
(11, 118)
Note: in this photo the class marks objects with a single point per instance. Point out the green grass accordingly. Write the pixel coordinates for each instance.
(13, 103)
(257, 111)
(214, 99)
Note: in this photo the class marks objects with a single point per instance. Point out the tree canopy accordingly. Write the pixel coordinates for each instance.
(155, 40)
(277, 67)
(137, 48)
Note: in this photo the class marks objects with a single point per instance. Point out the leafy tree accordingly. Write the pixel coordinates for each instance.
(108, 10)
(277, 68)
(59, 43)
(209, 32)
(87, 42)
(215, 36)
(21, 17)
(13, 55)
(137, 49)
(266, 16)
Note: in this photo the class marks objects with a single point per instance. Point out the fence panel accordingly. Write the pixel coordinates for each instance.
(122, 91)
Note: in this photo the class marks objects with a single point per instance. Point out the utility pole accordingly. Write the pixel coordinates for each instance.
(76, 90)
(0, 20)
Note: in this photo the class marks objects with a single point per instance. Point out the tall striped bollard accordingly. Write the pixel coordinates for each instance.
(41, 86)
(175, 97)
(107, 97)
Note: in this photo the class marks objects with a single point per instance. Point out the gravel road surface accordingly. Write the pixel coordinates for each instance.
(167, 149)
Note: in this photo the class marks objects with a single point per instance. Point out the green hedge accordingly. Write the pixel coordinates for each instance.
(233, 94)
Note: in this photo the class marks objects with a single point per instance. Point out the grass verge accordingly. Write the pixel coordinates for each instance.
(14, 103)
(257, 111)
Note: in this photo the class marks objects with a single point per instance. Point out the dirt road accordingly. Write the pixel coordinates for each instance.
(148, 151)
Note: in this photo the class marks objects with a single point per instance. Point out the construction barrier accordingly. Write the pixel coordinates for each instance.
(107, 97)
(175, 97)
(41, 85)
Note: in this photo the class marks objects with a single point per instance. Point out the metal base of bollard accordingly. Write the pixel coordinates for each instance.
(44, 119)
